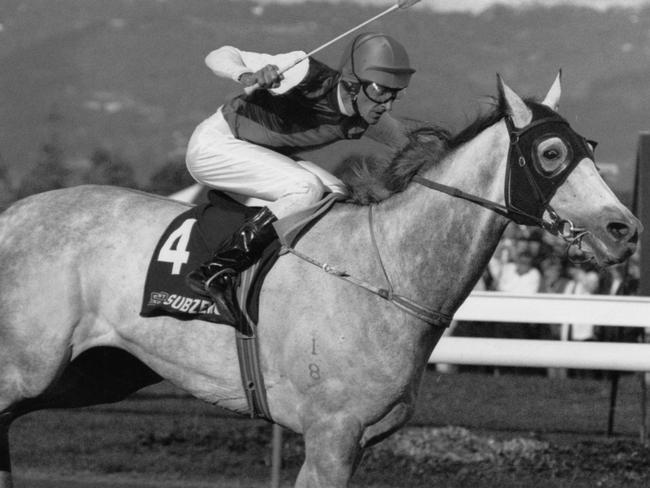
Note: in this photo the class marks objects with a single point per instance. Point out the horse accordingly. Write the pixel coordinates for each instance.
(341, 364)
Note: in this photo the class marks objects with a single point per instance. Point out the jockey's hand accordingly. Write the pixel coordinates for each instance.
(268, 77)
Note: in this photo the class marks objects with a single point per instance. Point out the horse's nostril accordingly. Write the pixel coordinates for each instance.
(620, 231)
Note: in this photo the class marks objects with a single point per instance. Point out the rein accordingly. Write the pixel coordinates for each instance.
(563, 228)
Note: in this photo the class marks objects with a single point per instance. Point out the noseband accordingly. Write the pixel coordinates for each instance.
(528, 187)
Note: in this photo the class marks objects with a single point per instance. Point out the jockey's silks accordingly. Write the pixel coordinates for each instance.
(305, 117)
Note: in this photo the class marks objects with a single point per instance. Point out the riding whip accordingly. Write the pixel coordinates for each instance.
(401, 4)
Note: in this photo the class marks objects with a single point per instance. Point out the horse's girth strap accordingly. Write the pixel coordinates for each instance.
(249, 358)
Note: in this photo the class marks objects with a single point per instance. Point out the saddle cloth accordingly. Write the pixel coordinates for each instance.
(190, 240)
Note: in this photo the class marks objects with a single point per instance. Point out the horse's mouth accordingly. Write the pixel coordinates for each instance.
(603, 255)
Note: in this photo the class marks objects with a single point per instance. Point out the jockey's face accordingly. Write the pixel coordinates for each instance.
(371, 109)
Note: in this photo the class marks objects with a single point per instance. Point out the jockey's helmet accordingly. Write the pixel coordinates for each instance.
(376, 58)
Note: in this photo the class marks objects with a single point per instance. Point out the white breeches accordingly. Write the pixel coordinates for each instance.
(216, 158)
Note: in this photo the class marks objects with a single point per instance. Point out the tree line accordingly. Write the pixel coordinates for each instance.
(53, 170)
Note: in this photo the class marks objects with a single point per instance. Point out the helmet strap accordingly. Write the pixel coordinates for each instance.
(349, 94)
(354, 104)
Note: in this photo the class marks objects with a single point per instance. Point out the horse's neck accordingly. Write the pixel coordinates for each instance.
(436, 246)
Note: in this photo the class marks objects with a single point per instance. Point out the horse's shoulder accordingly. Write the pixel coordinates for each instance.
(342, 221)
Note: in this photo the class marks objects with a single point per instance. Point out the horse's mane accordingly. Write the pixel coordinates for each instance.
(371, 179)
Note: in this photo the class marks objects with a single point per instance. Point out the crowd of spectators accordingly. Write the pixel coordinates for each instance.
(529, 260)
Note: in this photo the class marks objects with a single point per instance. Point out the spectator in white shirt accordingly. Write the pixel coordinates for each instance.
(519, 276)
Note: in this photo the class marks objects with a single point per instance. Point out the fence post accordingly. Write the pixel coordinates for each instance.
(276, 456)
(613, 393)
(643, 431)
(641, 207)
(641, 204)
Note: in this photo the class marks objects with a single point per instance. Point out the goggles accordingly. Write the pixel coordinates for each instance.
(378, 93)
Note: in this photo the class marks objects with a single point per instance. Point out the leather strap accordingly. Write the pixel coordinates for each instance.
(249, 359)
(432, 317)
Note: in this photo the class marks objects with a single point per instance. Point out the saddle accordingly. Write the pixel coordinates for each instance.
(190, 240)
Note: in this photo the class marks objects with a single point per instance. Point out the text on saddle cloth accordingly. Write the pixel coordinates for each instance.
(190, 240)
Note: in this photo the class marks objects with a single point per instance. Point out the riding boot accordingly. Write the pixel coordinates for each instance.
(217, 277)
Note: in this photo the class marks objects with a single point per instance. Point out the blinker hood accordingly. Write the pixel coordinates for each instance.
(528, 189)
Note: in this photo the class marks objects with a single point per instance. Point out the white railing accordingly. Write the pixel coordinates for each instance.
(617, 311)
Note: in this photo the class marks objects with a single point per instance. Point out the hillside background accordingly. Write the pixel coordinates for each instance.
(122, 84)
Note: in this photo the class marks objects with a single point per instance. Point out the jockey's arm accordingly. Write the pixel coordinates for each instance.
(393, 131)
(230, 62)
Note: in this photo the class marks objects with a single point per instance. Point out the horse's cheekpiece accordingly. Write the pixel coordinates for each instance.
(189, 241)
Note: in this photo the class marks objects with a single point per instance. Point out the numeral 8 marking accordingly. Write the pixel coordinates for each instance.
(314, 371)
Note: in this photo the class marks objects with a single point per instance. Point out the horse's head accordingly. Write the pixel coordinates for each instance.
(552, 181)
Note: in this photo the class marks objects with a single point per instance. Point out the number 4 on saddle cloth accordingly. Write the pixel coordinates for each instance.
(189, 241)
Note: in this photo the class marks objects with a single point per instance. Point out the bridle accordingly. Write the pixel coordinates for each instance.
(528, 192)
(528, 189)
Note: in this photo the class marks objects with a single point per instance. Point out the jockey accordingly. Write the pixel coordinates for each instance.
(246, 146)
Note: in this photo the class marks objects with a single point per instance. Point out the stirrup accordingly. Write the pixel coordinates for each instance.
(221, 287)
(225, 273)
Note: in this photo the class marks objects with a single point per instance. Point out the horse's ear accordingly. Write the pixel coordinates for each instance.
(515, 106)
(552, 98)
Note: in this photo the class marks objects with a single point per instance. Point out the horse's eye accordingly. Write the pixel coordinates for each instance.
(552, 155)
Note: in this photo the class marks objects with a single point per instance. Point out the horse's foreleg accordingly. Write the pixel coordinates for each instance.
(389, 424)
(332, 452)
(6, 480)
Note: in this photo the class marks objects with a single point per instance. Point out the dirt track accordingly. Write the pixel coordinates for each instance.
(41, 480)
(69, 483)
